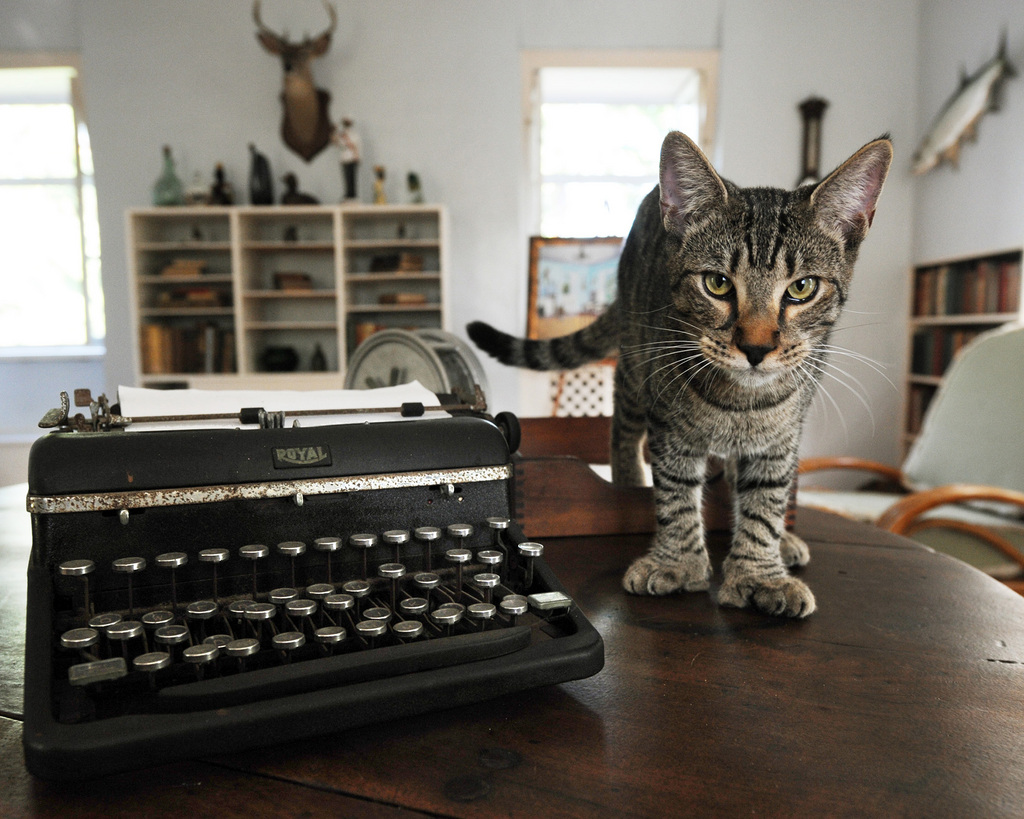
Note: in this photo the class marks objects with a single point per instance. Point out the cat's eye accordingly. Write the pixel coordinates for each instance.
(802, 289)
(717, 285)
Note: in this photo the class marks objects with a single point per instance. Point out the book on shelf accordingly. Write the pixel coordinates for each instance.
(203, 347)
(989, 285)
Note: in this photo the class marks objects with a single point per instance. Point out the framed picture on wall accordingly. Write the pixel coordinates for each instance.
(572, 281)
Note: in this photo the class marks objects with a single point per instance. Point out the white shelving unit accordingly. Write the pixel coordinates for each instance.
(212, 307)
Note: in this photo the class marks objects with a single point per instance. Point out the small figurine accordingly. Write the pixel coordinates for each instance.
(261, 183)
(292, 195)
(380, 197)
(415, 190)
(168, 189)
(347, 141)
(221, 193)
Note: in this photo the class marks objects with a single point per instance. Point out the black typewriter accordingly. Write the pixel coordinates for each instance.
(198, 591)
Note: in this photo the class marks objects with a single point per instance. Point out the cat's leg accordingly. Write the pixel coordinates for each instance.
(678, 558)
(755, 571)
(628, 430)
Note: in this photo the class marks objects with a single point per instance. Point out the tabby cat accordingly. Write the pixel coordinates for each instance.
(727, 297)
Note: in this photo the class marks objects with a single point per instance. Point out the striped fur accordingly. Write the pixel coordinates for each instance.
(727, 296)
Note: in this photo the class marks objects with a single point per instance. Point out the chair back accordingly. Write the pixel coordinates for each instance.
(973, 431)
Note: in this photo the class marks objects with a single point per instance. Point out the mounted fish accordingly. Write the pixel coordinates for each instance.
(306, 127)
(958, 119)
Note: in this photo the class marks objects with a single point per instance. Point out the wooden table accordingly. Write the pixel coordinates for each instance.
(902, 695)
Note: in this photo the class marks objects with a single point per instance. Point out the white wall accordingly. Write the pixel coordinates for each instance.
(978, 206)
(434, 86)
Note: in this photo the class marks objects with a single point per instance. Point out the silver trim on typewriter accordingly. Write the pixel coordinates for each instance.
(146, 498)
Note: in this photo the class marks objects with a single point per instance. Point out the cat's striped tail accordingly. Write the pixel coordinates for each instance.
(594, 342)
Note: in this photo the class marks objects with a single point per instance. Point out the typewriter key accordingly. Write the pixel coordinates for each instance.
(213, 557)
(363, 542)
(254, 552)
(201, 656)
(299, 611)
(488, 581)
(497, 526)
(124, 631)
(378, 614)
(342, 604)
(280, 597)
(330, 636)
(407, 630)
(80, 640)
(371, 631)
(129, 566)
(172, 561)
(427, 535)
(396, 538)
(328, 545)
(152, 620)
(529, 551)
(101, 622)
(413, 606)
(172, 636)
(458, 557)
(241, 649)
(459, 532)
(427, 581)
(514, 605)
(219, 640)
(393, 572)
(481, 613)
(447, 616)
(150, 663)
(287, 642)
(82, 569)
(359, 589)
(292, 549)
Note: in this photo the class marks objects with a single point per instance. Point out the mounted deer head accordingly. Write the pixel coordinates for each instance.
(306, 126)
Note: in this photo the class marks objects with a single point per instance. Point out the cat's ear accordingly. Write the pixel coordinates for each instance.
(688, 182)
(844, 202)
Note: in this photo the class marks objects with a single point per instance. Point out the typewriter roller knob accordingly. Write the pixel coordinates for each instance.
(529, 551)
(393, 572)
(172, 561)
(129, 566)
(254, 552)
(201, 655)
(213, 557)
(328, 545)
(459, 557)
(488, 581)
(80, 568)
(363, 542)
(397, 538)
(427, 535)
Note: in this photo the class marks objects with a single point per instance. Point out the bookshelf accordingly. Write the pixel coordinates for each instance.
(278, 295)
(952, 302)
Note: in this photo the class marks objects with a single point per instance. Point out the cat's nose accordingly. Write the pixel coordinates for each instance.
(755, 353)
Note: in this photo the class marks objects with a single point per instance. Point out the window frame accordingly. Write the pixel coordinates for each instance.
(93, 347)
(704, 61)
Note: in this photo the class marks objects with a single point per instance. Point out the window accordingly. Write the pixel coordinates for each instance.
(51, 294)
(595, 130)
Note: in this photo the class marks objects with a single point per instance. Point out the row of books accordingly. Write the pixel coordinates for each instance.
(933, 348)
(985, 286)
(203, 347)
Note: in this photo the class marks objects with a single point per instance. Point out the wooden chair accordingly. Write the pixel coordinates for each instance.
(961, 487)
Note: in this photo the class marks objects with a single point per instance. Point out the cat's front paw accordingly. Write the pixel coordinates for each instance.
(793, 550)
(779, 596)
(656, 577)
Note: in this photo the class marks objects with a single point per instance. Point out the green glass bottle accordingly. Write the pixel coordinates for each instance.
(168, 189)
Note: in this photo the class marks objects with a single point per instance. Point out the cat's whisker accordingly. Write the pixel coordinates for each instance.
(867, 361)
(823, 368)
(823, 390)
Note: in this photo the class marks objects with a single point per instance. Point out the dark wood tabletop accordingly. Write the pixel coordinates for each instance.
(903, 695)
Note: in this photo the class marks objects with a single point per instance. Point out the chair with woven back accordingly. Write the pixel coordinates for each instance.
(961, 487)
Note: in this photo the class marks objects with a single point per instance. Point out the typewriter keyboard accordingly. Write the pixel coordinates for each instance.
(294, 616)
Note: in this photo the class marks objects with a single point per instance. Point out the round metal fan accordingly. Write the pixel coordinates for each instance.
(438, 360)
